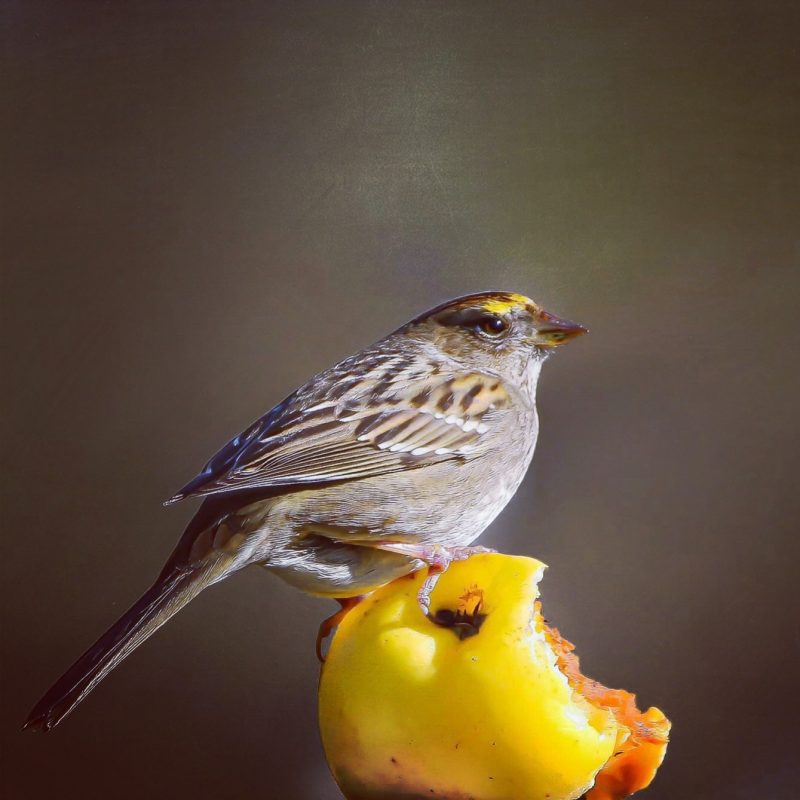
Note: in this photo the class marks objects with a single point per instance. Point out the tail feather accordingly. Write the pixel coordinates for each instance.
(166, 597)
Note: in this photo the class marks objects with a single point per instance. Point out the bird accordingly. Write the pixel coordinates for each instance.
(394, 459)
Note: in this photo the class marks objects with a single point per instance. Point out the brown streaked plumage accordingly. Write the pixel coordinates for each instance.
(399, 455)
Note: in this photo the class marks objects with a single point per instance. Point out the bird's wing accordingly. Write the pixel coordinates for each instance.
(356, 425)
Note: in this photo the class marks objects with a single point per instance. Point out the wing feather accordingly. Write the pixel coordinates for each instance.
(341, 428)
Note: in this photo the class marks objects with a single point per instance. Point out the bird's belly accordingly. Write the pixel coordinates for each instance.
(434, 505)
(321, 566)
(441, 504)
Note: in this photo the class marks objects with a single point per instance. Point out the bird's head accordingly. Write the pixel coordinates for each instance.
(490, 328)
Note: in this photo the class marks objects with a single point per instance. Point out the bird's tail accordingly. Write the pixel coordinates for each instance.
(168, 595)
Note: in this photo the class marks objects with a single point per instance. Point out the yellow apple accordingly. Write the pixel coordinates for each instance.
(489, 704)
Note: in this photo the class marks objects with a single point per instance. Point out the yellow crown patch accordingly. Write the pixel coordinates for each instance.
(502, 305)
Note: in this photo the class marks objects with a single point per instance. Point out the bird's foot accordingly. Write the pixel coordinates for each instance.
(327, 625)
(438, 558)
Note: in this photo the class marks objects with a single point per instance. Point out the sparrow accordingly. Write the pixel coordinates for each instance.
(394, 459)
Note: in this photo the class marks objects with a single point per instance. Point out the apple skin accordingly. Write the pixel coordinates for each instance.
(410, 709)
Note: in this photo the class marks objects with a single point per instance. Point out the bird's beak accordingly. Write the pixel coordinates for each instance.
(552, 331)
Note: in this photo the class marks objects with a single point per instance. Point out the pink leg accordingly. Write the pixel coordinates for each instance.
(327, 625)
(438, 558)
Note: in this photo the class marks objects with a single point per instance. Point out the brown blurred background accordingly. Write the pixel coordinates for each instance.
(206, 202)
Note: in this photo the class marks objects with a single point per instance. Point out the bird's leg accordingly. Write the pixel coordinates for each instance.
(327, 625)
(438, 558)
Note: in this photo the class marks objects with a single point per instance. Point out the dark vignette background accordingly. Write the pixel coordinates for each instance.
(206, 202)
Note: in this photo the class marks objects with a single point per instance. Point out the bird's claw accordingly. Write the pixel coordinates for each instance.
(327, 625)
(438, 558)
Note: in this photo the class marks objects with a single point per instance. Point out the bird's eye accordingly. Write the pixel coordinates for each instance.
(475, 320)
(492, 326)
